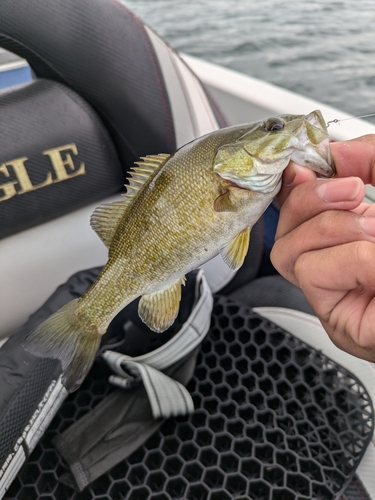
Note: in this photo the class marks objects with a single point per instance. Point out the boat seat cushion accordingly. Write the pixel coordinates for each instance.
(55, 155)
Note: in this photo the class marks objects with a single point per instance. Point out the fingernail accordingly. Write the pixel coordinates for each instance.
(336, 190)
(368, 225)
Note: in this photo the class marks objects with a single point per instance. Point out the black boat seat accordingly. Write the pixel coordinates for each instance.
(99, 103)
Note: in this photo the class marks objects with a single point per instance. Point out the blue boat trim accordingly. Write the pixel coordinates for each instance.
(15, 76)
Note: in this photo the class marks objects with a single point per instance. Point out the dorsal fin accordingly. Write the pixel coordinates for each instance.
(139, 175)
(106, 218)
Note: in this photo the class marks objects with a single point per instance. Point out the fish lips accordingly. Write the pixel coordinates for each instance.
(316, 158)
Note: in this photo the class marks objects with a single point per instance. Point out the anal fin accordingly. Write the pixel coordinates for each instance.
(159, 309)
(235, 252)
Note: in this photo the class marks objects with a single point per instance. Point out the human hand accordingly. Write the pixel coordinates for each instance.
(325, 244)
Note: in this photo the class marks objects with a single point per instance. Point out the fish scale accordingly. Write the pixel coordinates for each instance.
(179, 211)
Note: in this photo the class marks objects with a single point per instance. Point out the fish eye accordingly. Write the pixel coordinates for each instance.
(274, 124)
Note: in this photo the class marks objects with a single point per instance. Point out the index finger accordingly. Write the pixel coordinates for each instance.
(314, 197)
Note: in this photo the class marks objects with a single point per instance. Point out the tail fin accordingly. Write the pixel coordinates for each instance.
(60, 337)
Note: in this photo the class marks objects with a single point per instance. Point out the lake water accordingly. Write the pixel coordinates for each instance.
(319, 48)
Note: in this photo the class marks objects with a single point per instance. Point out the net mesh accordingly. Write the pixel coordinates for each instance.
(275, 419)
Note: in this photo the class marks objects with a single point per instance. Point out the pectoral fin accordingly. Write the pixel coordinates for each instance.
(224, 203)
(228, 197)
(159, 310)
(235, 252)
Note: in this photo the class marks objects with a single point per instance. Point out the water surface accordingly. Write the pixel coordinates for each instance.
(321, 49)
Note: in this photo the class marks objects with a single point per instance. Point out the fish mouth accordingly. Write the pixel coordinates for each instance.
(314, 151)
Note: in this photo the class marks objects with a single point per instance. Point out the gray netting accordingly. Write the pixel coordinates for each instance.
(274, 419)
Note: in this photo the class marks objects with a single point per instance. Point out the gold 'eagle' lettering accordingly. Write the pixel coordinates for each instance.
(18, 179)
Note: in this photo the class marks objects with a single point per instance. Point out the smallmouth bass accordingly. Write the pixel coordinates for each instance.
(179, 211)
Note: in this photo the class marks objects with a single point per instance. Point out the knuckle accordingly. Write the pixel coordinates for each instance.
(277, 256)
(282, 260)
(333, 223)
(365, 253)
(324, 222)
(293, 202)
(302, 268)
(329, 220)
